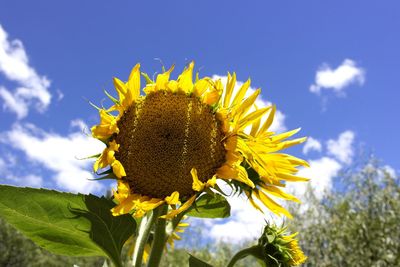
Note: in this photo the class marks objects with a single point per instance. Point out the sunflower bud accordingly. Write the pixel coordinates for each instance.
(278, 248)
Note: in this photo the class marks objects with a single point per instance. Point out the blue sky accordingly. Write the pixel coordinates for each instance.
(331, 68)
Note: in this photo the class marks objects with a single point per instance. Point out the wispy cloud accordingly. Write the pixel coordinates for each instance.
(32, 89)
(342, 148)
(58, 154)
(337, 80)
(312, 145)
(322, 170)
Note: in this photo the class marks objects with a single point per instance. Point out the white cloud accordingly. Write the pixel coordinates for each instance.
(58, 154)
(312, 145)
(32, 88)
(338, 79)
(278, 124)
(321, 172)
(342, 148)
(79, 124)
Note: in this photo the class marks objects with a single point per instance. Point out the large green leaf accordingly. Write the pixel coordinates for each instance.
(195, 262)
(210, 206)
(65, 223)
(107, 231)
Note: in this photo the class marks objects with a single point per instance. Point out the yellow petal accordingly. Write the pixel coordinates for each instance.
(182, 208)
(185, 82)
(113, 145)
(211, 98)
(255, 126)
(201, 86)
(227, 172)
(272, 205)
(162, 79)
(291, 178)
(173, 199)
(118, 169)
(211, 182)
(255, 115)
(231, 143)
(121, 88)
(197, 184)
(244, 107)
(133, 83)
(285, 135)
(242, 92)
(243, 177)
(229, 89)
(273, 190)
(269, 120)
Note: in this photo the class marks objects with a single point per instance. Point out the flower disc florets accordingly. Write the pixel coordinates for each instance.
(171, 144)
(162, 137)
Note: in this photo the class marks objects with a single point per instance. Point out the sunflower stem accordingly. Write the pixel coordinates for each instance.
(144, 231)
(254, 250)
(159, 238)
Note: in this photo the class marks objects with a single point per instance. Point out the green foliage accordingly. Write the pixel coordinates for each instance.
(107, 231)
(210, 206)
(67, 224)
(357, 226)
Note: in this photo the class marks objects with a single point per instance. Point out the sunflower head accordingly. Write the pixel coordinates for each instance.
(277, 248)
(173, 142)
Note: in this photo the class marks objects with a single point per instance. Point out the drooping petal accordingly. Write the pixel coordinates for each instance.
(173, 199)
(197, 184)
(272, 205)
(182, 208)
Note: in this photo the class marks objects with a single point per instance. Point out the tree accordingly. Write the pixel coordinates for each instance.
(356, 224)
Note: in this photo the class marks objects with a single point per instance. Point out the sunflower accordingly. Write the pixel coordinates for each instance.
(277, 248)
(172, 143)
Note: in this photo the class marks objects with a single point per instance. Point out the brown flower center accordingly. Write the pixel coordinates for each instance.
(162, 137)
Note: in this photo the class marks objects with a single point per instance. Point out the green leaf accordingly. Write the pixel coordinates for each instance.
(210, 206)
(107, 231)
(195, 262)
(65, 223)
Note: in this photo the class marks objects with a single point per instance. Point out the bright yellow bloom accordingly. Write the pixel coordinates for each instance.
(173, 143)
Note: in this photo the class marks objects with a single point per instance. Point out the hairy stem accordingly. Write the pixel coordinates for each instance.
(144, 232)
(158, 245)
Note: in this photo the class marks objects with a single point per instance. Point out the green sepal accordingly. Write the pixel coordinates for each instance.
(113, 99)
(147, 78)
(110, 176)
(108, 171)
(90, 157)
(93, 105)
(219, 190)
